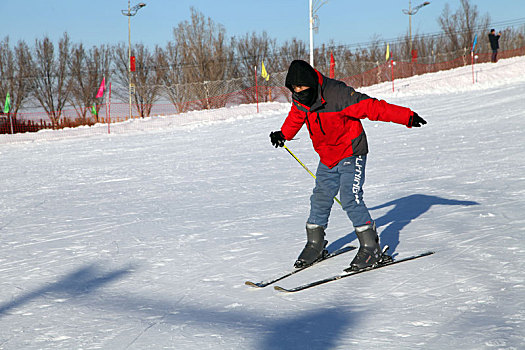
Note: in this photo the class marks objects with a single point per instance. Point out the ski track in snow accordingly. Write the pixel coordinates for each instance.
(143, 239)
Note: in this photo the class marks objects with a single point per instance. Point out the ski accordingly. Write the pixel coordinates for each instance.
(351, 273)
(265, 283)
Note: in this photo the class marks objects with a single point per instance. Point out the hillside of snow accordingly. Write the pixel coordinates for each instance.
(143, 238)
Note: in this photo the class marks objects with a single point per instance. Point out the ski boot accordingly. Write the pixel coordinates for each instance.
(369, 253)
(314, 248)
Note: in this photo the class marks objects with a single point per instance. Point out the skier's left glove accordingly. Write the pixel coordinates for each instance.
(416, 121)
(277, 138)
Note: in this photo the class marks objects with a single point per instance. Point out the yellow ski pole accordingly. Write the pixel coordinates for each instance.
(306, 168)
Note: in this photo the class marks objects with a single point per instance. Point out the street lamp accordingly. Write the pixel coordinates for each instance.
(131, 11)
(314, 6)
(412, 11)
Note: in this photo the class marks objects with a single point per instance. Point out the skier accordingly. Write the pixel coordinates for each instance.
(332, 112)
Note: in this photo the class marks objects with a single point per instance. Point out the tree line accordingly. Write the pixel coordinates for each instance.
(52, 76)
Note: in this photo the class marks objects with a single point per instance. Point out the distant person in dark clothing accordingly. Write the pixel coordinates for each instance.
(494, 44)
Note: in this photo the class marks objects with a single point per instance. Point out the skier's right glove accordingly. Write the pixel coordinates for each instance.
(277, 138)
(416, 121)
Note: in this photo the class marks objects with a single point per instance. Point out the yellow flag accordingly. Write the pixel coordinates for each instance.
(387, 52)
(264, 73)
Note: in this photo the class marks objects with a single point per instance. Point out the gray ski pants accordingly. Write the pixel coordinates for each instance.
(347, 177)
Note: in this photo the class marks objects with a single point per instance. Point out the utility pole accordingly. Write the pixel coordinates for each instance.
(131, 11)
(412, 11)
(314, 6)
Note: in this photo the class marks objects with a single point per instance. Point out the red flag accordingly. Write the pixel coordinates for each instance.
(132, 64)
(414, 56)
(101, 89)
(332, 66)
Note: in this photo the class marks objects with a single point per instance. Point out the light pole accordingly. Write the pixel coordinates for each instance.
(131, 11)
(314, 6)
(412, 11)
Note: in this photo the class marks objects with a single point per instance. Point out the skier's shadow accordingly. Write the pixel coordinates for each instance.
(78, 283)
(403, 212)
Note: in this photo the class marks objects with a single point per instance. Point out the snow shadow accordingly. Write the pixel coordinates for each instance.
(78, 283)
(320, 329)
(403, 211)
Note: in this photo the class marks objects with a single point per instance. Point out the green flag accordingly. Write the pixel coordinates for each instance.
(7, 105)
(94, 110)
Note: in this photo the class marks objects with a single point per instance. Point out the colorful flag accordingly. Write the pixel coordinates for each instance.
(264, 73)
(387, 52)
(94, 110)
(332, 66)
(475, 42)
(7, 105)
(101, 89)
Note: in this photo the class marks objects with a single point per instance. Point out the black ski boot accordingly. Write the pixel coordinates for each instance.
(369, 252)
(314, 248)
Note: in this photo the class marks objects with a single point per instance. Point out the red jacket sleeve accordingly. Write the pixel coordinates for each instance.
(293, 123)
(374, 109)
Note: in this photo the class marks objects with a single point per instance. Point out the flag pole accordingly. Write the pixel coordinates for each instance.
(107, 108)
(472, 55)
(392, 64)
(472, 59)
(256, 90)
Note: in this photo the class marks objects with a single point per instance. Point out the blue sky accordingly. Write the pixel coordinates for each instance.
(347, 22)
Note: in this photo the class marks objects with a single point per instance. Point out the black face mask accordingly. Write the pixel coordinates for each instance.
(306, 97)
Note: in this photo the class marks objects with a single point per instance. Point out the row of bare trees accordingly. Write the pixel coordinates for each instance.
(51, 77)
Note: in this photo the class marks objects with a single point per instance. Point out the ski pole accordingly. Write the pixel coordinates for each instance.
(306, 168)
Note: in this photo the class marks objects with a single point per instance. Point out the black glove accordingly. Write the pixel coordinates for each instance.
(416, 121)
(277, 138)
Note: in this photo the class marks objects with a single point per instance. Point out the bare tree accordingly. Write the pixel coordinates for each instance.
(460, 27)
(512, 38)
(16, 72)
(87, 69)
(252, 50)
(204, 49)
(341, 57)
(147, 81)
(205, 54)
(6, 77)
(145, 78)
(120, 70)
(52, 84)
(169, 72)
(7, 66)
(291, 50)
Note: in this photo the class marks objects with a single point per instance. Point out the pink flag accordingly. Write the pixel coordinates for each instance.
(102, 87)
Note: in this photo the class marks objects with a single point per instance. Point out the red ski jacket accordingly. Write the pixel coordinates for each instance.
(334, 123)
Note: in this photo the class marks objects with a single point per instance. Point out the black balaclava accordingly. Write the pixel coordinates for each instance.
(301, 73)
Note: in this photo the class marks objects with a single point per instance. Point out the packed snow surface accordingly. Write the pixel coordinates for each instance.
(143, 238)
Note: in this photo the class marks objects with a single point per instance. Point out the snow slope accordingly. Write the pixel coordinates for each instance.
(142, 239)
